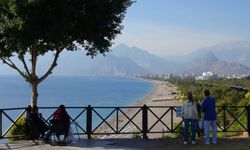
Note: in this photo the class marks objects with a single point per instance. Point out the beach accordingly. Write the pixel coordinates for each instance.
(164, 94)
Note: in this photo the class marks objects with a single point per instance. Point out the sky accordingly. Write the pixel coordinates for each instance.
(178, 27)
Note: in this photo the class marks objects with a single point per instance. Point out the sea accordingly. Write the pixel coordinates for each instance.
(72, 91)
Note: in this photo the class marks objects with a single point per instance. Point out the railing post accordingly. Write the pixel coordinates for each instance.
(172, 119)
(248, 119)
(1, 125)
(145, 121)
(89, 121)
(224, 118)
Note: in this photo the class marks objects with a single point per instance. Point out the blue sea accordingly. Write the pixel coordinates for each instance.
(72, 92)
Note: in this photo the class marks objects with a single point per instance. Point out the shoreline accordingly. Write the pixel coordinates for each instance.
(162, 91)
(163, 94)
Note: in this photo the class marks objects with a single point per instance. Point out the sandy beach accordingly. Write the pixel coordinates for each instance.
(164, 94)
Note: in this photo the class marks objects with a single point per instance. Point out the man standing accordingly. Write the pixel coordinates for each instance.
(208, 107)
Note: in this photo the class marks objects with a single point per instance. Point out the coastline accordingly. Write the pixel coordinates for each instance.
(163, 94)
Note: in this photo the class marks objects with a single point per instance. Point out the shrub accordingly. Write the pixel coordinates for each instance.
(136, 136)
(179, 129)
(17, 131)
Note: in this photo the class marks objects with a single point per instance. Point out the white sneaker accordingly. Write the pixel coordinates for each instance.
(185, 142)
(193, 142)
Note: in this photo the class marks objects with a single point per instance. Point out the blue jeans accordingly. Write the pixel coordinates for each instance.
(186, 127)
(207, 125)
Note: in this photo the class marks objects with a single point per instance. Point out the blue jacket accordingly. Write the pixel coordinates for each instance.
(208, 107)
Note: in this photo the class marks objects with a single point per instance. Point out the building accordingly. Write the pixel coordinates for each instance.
(207, 76)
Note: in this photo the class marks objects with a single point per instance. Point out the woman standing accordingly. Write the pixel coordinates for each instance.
(190, 115)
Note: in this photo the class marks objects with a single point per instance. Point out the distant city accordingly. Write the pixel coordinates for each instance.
(204, 76)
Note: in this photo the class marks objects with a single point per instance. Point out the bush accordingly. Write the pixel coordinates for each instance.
(17, 131)
(235, 127)
(136, 136)
(180, 130)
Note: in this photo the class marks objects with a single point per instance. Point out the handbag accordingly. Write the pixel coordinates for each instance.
(201, 123)
(70, 136)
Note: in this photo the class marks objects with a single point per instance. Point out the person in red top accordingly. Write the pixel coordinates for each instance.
(61, 114)
(60, 123)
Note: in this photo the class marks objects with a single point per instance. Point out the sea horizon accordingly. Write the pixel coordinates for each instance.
(74, 91)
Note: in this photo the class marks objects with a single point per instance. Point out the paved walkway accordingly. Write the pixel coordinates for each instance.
(30, 145)
(132, 144)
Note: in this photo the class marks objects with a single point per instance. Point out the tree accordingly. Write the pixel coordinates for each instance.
(35, 27)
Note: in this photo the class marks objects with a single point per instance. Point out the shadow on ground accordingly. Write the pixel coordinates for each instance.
(151, 144)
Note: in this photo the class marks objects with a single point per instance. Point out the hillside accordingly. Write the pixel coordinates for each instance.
(209, 62)
(123, 60)
(237, 51)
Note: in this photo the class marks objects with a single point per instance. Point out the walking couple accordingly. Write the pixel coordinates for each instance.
(191, 112)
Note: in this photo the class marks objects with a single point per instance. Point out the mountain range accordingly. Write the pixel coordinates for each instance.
(222, 58)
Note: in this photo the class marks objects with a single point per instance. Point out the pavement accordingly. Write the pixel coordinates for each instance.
(129, 144)
(77, 145)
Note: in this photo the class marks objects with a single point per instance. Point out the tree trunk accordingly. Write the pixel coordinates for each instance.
(34, 80)
(34, 94)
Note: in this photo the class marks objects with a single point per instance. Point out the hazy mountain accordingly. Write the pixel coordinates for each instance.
(111, 65)
(150, 62)
(238, 51)
(124, 60)
(209, 62)
(76, 63)
(201, 64)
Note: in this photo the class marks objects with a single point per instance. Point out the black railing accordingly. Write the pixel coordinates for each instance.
(105, 121)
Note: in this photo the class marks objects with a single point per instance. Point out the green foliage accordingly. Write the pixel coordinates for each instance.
(221, 90)
(136, 136)
(248, 77)
(224, 94)
(51, 25)
(179, 129)
(17, 132)
(247, 95)
(35, 27)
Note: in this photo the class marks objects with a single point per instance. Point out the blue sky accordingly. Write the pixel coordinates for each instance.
(174, 27)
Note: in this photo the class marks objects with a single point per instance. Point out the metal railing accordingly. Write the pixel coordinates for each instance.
(143, 120)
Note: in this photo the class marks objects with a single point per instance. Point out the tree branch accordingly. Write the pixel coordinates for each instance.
(24, 64)
(13, 66)
(52, 66)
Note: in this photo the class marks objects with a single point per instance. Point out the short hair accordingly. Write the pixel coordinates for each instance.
(62, 106)
(206, 93)
(190, 95)
(29, 108)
